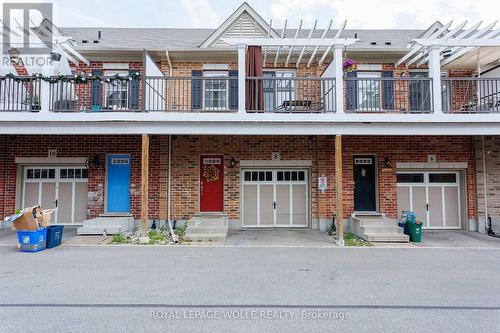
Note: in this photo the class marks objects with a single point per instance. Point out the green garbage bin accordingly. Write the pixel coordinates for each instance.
(415, 231)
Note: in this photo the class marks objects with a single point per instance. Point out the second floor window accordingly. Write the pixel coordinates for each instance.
(116, 92)
(369, 91)
(277, 91)
(215, 90)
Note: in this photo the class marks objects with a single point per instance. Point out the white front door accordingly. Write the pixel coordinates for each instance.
(62, 188)
(274, 198)
(434, 196)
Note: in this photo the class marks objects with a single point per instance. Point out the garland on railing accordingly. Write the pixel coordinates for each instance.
(77, 78)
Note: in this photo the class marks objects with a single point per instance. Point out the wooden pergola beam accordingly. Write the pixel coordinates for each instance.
(144, 184)
(339, 208)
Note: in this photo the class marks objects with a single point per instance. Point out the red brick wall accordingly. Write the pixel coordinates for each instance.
(86, 146)
(186, 151)
(406, 149)
(185, 166)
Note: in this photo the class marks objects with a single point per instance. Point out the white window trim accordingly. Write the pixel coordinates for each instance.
(224, 74)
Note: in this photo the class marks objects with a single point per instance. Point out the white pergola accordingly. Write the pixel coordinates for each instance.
(295, 49)
(457, 47)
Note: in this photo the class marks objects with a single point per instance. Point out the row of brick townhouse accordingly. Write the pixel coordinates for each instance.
(249, 121)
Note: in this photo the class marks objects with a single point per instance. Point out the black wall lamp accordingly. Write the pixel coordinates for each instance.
(232, 162)
(387, 162)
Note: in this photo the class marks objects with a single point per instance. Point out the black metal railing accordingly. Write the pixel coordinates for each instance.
(20, 93)
(388, 94)
(290, 94)
(470, 95)
(263, 94)
(192, 94)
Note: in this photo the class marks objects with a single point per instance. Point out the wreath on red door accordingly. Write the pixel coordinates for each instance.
(210, 173)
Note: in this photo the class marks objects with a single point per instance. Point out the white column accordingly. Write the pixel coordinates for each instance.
(241, 77)
(339, 80)
(435, 75)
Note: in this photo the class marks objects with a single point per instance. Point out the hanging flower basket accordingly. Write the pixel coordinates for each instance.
(349, 65)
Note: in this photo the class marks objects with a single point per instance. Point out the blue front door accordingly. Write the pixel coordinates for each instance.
(118, 192)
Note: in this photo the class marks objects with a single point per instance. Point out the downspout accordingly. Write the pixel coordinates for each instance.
(485, 187)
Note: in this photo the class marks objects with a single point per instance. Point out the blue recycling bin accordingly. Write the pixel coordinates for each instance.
(405, 228)
(54, 235)
(32, 241)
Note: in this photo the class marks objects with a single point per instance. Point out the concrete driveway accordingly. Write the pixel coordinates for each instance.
(457, 238)
(279, 237)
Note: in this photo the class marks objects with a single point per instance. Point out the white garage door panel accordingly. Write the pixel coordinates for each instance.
(436, 207)
(266, 205)
(433, 196)
(274, 198)
(452, 207)
(250, 197)
(418, 202)
(299, 208)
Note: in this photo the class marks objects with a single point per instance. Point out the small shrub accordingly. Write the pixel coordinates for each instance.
(119, 239)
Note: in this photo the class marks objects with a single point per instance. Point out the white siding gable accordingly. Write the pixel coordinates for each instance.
(244, 26)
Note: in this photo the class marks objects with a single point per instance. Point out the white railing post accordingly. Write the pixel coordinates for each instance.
(339, 80)
(435, 75)
(241, 76)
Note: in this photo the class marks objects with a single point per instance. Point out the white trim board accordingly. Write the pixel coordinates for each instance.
(270, 163)
(435, 165)
(51, 160)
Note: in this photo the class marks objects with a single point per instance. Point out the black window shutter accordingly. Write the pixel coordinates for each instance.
(388, 91)
(96, 92)
(196, 93)
(134, 91)
(233, 91)
(352, 92)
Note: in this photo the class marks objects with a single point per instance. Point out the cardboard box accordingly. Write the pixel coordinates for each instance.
(25, 221)
(45, 217)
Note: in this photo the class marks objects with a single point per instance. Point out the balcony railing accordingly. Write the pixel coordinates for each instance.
(262, 94)
(20, 94)
(290, 94)
(471, 95)
(388, 94)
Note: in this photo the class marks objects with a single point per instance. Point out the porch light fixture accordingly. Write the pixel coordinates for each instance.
(232, 162)
(387, 162)
(94, 161)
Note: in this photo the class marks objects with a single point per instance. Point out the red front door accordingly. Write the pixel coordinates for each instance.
(211, 183)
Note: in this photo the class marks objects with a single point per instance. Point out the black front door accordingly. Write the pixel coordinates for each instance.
(364, 184)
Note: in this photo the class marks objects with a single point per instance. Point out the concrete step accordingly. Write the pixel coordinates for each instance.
(386, 237)
(208, 229)
(196, 221)
(207, 237)
(110, 224)
(99, 230)
(381, 229)
(379, 221)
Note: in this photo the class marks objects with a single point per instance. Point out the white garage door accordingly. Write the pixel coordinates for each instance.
(274, 198)
(63, 188)
(433, 196)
